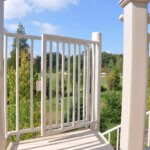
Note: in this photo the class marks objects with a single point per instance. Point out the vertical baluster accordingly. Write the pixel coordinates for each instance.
(93, 81)
(109, 137)
(79, 66)
(118, 136)
(68, 88)
(57, 82)
(17, 88)
(88, 83)
(43, 86)
(50, 86)
(31, 84)
(5, 81)
(62, 100)
(148, 129)
(74, 83)
(2, 122)
(84, 83)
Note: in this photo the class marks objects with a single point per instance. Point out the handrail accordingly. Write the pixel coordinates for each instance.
(52, 37)
(111, 130)
(69, 39)
(118, 128)
(16, 35)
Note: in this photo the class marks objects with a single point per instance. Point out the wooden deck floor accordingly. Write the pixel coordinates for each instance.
(75, 140)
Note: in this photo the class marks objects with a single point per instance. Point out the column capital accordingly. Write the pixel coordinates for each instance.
(123, 3)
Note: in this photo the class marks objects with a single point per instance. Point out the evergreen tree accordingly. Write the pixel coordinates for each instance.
(24, 82)
(23, 46)
(113, 79)
(24, 90)
(110, 110)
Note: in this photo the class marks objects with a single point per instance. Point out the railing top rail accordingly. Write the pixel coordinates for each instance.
(53, 38)
(119, 126)
(111, 130)
(69, 39)
(22, 36)
(148, 113)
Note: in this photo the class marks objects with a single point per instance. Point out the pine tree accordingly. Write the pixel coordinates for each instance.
(113, 79)
(23, 46)
(24, 82)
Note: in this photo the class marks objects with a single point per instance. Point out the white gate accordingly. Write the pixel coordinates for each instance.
(76, 110)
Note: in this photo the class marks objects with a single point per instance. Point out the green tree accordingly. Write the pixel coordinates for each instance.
(113, 79)
(24, 83)
(110, 110)
(11, 98)
(24, 90)
(111, 63)
(23, 46)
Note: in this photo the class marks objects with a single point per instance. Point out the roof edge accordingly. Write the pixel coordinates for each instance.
(123, 3)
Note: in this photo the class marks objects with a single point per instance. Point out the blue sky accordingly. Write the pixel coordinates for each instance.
(75, 18)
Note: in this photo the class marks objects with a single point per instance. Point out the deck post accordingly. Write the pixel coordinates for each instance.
(2, 122)
(134, 74)
(96, 36)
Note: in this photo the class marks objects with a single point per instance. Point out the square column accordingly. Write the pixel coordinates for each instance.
(134, 74)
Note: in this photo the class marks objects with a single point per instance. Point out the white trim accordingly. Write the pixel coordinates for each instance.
(17, 87)
(57, 82)
(43, 85)
(68, 86)
(2, 114)
(23, 36)
(62, 86)
(5, 81)
(74, 85)
(31, 83)
(69, 39)
(50, 85)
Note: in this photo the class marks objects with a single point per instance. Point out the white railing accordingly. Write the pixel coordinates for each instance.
(18, 132)
(67, 48)
(117, 129)
(108, 133)
(148, 120)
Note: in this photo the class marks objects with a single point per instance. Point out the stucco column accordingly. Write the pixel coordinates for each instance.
(2, 122)
(134, 74)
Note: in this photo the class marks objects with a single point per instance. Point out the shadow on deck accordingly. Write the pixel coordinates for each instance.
(85, 139)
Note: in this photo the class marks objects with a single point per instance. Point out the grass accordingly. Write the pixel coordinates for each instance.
(54, 110)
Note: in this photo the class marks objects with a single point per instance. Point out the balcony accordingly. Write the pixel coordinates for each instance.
(70, 119)
(64, 118)
(76, 128)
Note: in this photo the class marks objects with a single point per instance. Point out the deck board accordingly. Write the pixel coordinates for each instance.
(86, 139)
